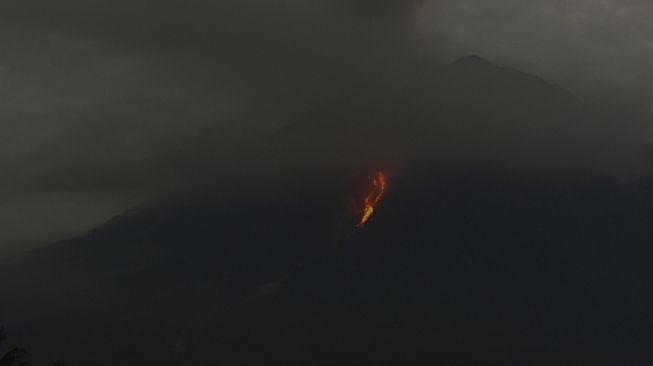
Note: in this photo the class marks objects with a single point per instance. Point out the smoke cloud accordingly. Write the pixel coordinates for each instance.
(106, 104)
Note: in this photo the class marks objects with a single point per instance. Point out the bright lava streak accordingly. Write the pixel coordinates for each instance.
(372, 199)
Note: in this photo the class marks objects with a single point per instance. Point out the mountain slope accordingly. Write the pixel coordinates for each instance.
(470, 114)
(467, 263)
(451, 269)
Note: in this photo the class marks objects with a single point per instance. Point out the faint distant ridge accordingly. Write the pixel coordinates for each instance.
(474, 66)
(472, 61)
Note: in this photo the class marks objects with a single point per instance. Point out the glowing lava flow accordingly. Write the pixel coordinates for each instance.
(373, 198)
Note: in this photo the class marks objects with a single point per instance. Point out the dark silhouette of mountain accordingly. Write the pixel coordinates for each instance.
(473, 61)
(468, 113)
(460, 265)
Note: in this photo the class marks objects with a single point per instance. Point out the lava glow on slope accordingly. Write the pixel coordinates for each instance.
(372, 199)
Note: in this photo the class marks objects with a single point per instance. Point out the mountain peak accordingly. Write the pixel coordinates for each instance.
(472, 60)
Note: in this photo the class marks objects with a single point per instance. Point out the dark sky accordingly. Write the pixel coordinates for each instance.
(105, 103)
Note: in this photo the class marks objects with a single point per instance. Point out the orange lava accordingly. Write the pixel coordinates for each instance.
(373, 198)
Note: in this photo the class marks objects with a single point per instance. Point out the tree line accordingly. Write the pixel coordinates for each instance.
(16, 356)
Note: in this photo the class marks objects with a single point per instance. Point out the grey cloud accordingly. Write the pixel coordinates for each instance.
(124, 98)
(573, 41)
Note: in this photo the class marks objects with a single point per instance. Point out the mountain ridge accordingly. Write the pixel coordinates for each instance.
(464, 264)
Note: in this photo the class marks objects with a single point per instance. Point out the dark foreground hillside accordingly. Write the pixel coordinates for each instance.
(455, 269)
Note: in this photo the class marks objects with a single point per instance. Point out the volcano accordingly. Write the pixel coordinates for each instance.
(460, 266)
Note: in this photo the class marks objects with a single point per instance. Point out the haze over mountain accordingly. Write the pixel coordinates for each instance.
(326, 182)
(471, 258)
(106, 104)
